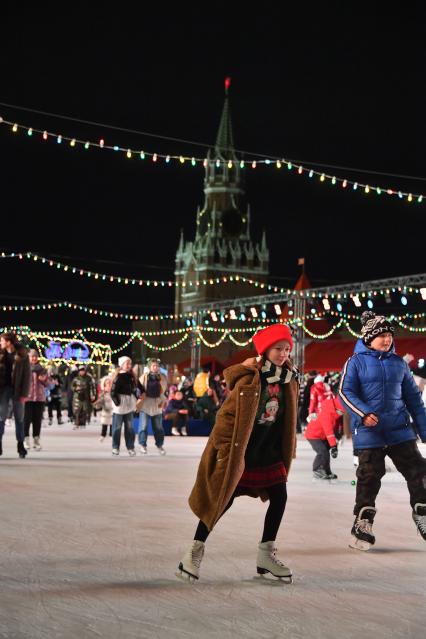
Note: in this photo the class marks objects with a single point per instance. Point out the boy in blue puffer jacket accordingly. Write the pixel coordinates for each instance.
(380, 393)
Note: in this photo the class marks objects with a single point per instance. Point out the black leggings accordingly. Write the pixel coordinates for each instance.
(277, 500)
(33, 415)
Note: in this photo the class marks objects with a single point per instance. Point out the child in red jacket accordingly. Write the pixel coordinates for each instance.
(320, 433)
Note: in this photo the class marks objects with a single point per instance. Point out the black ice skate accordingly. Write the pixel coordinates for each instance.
(419, 517)
(320, 474)
(362, 530)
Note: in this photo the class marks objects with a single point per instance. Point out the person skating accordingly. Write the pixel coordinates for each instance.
(55, 395)
(153, 385)
(123, 394)
(82, 397)
(15, 380)
(250, 449)
(36, 400)
(380, 393)
(104, 404)
(320, 433)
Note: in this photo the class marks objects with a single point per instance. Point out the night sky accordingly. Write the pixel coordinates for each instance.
(332, 83)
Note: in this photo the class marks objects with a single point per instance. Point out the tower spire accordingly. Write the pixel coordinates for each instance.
(224, 146)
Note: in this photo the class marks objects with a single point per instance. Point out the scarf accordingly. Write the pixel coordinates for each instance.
(271, 373)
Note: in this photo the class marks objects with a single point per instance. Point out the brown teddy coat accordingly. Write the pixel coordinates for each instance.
(222, 462)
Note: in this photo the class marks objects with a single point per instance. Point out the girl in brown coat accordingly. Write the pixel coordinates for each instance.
(250, 448)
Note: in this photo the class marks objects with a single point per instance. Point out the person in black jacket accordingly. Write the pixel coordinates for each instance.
(123, 394)
(15, 379)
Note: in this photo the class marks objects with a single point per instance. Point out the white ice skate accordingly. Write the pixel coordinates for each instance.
(362, 530)
(267, 562)
(419, 518)
(189, 567)
(175, 430)
(36, 445)
(27, 443)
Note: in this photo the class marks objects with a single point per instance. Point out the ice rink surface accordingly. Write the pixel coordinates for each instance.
(90, 545)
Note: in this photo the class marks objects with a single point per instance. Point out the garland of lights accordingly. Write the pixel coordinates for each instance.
(55, 336)
(166, 348)
(238, 343)
(351, 331)
(120, 279)
(215, 344)
(93, 311)
(324, 335)
(74, 142)
(305, 294)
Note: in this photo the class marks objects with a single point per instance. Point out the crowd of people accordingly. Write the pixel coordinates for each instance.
(253, 436)
(29, 388)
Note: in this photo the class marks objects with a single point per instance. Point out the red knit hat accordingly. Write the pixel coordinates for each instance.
(265, 338)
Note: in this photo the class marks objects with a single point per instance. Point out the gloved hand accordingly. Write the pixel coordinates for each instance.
(333, 452)
(311, 417)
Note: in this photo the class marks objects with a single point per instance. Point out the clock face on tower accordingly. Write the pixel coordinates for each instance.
(232, 223)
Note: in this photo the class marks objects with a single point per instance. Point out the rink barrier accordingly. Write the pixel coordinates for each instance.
(195, 427)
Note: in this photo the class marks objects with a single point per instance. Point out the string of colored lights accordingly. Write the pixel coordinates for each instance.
(306, 294)
(154, 157)
(324, 335)
(117, 315)
(215, 344)
(166, 348)
(57, 335)
(128, 280)
(238, 343)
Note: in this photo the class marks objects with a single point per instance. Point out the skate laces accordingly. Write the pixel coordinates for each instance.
(197, 555)
(276, 560)
(365, 526)
(421, 522)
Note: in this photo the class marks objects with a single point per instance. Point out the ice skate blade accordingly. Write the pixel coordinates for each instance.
(359, 544)
(272, 579)
(267, 575)
(185, 576)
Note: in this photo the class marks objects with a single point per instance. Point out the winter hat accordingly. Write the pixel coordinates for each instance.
(318, 378)
(153, 360)
(373, 325)
(122, 360)
(33, 351)
(265, 338)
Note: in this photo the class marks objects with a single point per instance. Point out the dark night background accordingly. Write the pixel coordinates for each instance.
(331, 83)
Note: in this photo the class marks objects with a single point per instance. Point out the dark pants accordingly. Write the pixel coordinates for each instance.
(179, 420)
(33, 415)
(322, 459)
(277, 501)
(54, 404)
(69, 408)
(407, 459)
(81, 415)
(105, 430)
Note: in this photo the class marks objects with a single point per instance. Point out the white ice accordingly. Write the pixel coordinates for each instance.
(89, 546)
